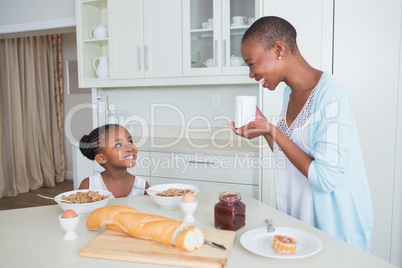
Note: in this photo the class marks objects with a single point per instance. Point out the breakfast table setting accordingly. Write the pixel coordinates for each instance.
(38, 237)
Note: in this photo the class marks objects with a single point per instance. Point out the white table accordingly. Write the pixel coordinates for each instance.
(32, 237)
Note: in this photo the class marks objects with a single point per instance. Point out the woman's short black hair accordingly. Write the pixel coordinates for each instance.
(90, 144)
(266, 31)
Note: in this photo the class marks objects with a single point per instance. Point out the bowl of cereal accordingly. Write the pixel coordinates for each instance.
(83, 201)
(174, 192)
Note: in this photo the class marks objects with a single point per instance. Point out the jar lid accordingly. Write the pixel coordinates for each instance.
(229, 197)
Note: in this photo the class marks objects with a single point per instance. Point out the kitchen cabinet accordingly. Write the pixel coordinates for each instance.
(90, 13)
(216, 42)
(145, 38)
(203, 170)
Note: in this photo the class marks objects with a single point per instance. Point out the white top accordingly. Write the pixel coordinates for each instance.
(96, 183)
(293, 191)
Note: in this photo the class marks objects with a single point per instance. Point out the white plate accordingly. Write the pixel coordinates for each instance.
(259, 241)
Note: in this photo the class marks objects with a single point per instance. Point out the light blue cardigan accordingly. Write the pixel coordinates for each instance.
(341, 194)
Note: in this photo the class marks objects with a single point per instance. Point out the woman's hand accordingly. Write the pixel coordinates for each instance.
(255, 128)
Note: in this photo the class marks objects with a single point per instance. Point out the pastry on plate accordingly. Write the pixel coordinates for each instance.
(284, 244)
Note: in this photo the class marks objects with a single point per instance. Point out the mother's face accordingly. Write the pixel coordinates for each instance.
(262, 63)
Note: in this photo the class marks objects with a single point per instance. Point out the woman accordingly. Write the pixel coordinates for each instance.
(323, 182)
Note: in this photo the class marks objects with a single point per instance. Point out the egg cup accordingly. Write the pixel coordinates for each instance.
(69, 225)
(188, 209)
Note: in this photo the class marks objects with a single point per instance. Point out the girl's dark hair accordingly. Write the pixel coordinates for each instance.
(89, 144)
(267, 30)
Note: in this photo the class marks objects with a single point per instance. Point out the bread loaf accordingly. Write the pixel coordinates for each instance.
(146, 226)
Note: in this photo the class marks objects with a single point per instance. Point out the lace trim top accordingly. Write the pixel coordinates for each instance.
(300, 120)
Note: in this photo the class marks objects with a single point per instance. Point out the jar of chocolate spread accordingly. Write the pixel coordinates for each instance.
(230, 212)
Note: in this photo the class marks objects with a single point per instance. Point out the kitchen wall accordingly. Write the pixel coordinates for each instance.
(180, 106)
(26, 17)
(81, 122)
(191, 106)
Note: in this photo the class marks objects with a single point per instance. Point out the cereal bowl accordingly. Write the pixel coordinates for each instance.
(169, 202)
(86, 208)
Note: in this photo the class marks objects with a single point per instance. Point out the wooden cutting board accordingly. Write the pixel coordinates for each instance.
(117, 245)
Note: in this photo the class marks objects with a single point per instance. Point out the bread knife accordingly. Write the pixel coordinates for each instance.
(213, 244)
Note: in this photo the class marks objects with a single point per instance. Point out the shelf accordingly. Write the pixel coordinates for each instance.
(235, 30)
(101, 4)
(100, 42)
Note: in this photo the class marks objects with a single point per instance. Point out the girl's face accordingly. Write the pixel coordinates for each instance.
(118, 148)
(262, 64)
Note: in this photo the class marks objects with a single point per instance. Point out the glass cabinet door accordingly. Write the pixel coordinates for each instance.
(212, 32)
(237, 16)
(202, 37)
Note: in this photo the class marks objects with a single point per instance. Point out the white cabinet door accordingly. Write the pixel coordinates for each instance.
(162, 38)
(126, 39)
(232, 33)
(243, 170)
(145, 38)
(216, 42)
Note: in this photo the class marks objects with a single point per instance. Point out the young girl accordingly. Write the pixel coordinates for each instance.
(113, 148)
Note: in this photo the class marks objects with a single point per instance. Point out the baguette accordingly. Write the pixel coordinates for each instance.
(146, 226)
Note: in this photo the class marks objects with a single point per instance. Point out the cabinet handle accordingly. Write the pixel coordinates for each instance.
(200, 162)
(216, 53)
(139, 58)
(146, 58)
(224, 53)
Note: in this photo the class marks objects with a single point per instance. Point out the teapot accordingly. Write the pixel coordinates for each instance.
(102, 69)
(98, 32)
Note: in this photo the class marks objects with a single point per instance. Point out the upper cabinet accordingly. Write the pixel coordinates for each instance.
(145, 38)
(212, 32)
(129, 43)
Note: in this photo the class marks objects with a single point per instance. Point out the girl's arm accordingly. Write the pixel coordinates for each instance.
(84, 184)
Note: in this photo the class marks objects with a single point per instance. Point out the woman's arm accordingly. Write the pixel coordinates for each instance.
(297, 156)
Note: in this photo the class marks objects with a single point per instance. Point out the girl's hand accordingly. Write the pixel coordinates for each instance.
(255, 128)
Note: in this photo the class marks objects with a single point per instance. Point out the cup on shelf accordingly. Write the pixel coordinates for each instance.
(211, 22)
(239, 20)
(204, 25)
(209, 62)
(236, 61)
(250, 21)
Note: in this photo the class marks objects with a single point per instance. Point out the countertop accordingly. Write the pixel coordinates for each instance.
(215, 141)
(32, 237)
(202, 146)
